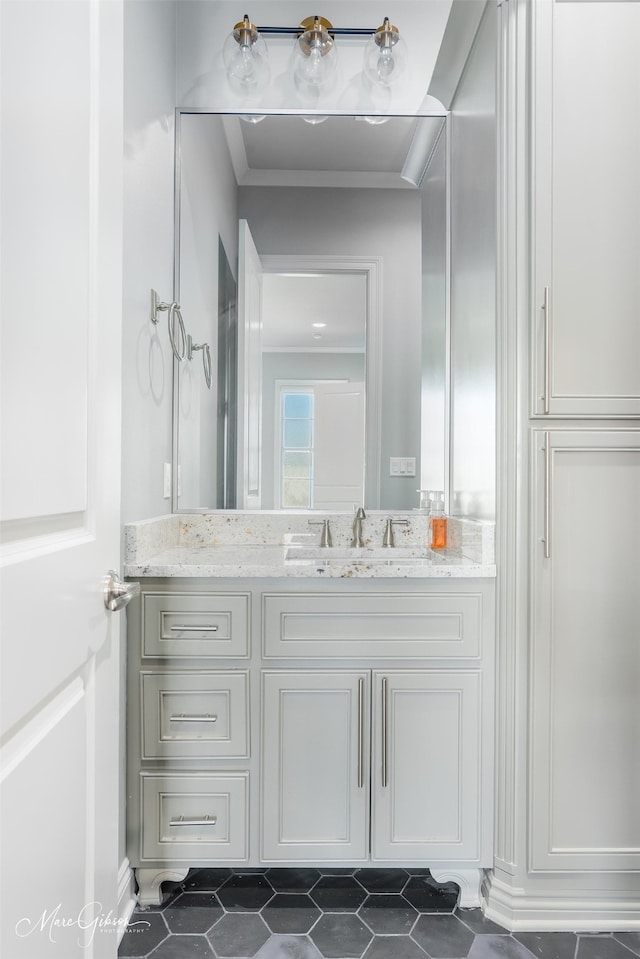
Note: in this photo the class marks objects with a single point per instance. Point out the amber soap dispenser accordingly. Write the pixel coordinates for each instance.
(438, 522)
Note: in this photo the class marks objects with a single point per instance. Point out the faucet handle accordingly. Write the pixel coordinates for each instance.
(325, 535)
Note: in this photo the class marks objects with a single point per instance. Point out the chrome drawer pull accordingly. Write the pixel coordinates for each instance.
(193, 718)
(195, 629)
(194, 821)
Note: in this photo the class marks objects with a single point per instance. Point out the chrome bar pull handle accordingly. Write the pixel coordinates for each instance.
(116, 593)
(361, 732)
(547, 497)
(193, 718)
(193, 821)
(385, 733)
(546, 306)
(194, 629)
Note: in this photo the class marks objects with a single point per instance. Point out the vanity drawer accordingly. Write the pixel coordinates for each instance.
(414, 625)
(195, 624)
(194, 817)
(194, 715)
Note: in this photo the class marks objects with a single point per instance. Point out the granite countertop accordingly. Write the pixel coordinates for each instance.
(262, 545)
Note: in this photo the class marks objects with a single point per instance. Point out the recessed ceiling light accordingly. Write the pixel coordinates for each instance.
(319, 326)
(317, 336)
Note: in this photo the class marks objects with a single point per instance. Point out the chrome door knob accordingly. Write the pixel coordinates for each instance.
(116, 593)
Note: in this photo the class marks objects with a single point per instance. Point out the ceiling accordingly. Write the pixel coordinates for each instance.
(291, 304)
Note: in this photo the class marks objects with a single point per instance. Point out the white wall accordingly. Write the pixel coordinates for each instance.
(351, 223)
(434, 320)
(208, 210)
(149, 82)
(472, 127)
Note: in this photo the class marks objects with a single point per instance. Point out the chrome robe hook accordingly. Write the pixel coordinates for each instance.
(206, 357)
(157, 306)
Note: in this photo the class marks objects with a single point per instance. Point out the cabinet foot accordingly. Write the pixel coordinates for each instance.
(150, 880)
(469, 880)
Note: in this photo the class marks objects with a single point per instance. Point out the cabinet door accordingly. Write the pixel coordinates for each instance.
(315, 768)
(427, 748)
(586, 215)
(586, 651)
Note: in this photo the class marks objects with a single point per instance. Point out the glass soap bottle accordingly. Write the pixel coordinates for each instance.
(438, 522)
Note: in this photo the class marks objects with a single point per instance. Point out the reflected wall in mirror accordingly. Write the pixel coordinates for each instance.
(313, 224)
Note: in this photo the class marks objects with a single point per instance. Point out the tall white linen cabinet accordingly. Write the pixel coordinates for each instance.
(568, 751)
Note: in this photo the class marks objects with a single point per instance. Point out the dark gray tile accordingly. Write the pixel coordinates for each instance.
(394, 947)
(145, 931)
(476, 921)
(205, 880)
(293, 880)
(338, 894)
(238, 934)
(443, 936)
(498, 947)
(417, 871)
(340, 936)
(288, 947)
(382, 880)
(290, 913)
(549, 945)
(427, 895)
(388, 914)
(336, 871)
(184, 947)
(629, 939)
(248, 892)
(600, 947)
(193, 912)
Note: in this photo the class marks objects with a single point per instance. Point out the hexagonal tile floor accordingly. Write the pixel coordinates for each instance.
(338, 914)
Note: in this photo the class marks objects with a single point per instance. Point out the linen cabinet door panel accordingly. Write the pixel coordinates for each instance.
(315, 767)
(427, 746)
(586, 217)
(586, 651)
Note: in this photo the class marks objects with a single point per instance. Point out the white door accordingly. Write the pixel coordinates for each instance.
(249, 370)
(315, 766)
(61, 325)
(338, 446)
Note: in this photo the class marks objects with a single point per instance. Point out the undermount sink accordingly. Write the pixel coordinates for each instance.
(360, 555)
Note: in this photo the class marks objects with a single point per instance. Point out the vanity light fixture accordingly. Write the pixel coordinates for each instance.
(245, 54)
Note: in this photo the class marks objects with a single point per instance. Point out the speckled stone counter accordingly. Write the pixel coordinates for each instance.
(243, 544)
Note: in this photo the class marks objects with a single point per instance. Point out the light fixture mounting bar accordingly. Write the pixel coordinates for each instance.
(334, 31)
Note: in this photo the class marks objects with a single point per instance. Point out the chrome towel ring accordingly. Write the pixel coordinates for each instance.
(174, 313)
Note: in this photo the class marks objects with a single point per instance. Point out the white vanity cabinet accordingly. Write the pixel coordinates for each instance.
(305, 721)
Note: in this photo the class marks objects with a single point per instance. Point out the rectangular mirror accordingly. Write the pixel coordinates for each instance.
(300, 273)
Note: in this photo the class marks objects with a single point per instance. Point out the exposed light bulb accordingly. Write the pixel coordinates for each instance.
(245, 57)
(384, 55)
(315, 57)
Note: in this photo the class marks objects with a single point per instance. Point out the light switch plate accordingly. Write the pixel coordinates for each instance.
(402, 466)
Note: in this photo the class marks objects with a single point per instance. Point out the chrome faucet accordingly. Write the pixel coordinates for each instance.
(388, 539)
(357, 539)
(325, 535)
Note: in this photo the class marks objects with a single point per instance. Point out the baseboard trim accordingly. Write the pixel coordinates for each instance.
(126, 896)
(521, 911)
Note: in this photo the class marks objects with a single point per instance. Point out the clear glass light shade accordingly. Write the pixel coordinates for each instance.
(246, 58)
(385, 56)
(314, 58)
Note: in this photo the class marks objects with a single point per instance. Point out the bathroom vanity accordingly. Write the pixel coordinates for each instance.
(290, 706)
